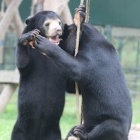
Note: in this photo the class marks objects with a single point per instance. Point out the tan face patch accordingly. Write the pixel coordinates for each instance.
(53, 30)
(53, 27)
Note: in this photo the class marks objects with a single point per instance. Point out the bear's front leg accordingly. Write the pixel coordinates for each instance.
(27, 38)
(22, 52)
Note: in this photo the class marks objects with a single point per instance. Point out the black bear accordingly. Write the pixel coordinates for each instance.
(107, 110)
(42, 83)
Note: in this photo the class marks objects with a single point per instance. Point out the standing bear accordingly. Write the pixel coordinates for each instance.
(107, 110)
(42, 82)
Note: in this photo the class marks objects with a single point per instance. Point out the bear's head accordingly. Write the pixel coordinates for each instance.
(49, 24)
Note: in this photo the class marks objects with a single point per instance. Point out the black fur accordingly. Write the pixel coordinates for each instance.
(41, 88)
(107, 107)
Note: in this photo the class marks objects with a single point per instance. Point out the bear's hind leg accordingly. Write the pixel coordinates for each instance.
(108, 130)
(25, 129)
(18, 132)
(50, 132)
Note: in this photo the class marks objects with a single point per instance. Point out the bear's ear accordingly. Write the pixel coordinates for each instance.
(28, 20)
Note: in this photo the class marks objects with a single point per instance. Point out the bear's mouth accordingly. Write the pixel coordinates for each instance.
(55, 39)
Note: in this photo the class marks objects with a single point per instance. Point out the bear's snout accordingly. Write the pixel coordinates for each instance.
(59, 31)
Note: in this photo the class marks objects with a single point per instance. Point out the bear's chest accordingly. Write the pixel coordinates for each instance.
(69, 40)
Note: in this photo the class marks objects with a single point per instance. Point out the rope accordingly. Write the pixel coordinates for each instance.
(81, 2)
(87, 11)
(77, 36)
(76, 84)
(79, 121)
(76, 51)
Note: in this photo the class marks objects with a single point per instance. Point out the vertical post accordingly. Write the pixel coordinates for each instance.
(138, 55)
(120, 46)
(61, 7)
(107, 33)
(1, 51)
(137, 66)
(6, 96)
(4, 24)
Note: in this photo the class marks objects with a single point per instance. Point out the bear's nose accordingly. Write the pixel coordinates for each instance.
(59, 31)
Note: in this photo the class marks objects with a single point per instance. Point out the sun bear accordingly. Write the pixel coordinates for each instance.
(42, 83)
(107, 109)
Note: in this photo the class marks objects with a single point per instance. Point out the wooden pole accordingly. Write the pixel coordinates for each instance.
(12, 79)
(8, 16)
(18, 23)
(66, 15)
(61, 7)
(8, 90)
(6, 95)
(16, 20)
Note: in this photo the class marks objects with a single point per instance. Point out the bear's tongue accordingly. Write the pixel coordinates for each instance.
(55, 39)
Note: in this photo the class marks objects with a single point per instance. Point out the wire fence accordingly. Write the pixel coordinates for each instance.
(129, 54)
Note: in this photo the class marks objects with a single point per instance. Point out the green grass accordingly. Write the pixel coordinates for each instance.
(7, 120)
(136, 110)
(68, 120)
(8, 117)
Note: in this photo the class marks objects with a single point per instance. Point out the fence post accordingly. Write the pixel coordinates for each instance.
(1, 51)
(4, 24)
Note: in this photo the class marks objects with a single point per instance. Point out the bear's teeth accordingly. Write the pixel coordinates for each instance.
(55, 39)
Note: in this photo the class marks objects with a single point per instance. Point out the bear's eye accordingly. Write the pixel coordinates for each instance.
(59, 22)
(47, 24)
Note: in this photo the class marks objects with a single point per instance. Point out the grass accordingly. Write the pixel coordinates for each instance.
(7, 120)
(68, 120)
(8, 117)
(136, 110)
